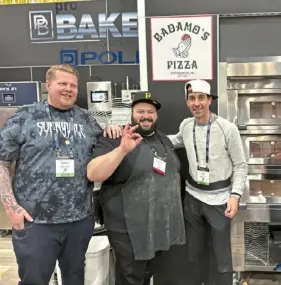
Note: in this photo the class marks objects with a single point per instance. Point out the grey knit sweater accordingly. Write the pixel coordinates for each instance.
(226, 157)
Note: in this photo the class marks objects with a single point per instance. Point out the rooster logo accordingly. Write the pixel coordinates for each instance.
(183, 46)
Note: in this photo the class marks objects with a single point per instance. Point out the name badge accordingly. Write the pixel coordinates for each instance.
(203, 176)
(65, 167)
(159, 165)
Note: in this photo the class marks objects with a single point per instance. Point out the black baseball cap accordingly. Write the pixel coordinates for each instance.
(146, 97)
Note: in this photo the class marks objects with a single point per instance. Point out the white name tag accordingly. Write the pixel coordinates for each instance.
(203, 176)
(159, 165)
(65, 168)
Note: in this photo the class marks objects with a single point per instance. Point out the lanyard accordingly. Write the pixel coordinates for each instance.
(70, 141)
(154, 150)
(207, 142)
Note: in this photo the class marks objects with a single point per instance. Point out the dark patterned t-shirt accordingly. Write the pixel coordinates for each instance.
(27, 138)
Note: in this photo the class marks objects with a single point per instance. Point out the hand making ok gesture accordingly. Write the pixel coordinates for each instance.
(130, 139)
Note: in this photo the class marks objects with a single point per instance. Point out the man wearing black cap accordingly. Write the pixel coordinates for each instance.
(215, 182)
(140, 193)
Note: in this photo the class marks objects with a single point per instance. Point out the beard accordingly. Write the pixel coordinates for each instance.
(144, 131)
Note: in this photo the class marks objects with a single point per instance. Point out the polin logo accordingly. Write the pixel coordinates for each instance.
(75, 58)
(48, 28)
(8, 87)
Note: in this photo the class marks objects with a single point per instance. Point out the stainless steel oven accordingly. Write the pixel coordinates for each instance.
(254, 104)
(250, 97)
(262, 146)
(259, 107)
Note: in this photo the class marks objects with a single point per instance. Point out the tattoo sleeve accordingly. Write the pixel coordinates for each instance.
(6, 193)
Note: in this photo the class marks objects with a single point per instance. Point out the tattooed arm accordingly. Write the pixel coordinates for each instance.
(15, 212)
(11, 138)
(6, 193)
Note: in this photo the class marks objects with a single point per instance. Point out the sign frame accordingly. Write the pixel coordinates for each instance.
(159, 71)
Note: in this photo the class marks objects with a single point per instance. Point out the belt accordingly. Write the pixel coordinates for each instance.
(211, 187)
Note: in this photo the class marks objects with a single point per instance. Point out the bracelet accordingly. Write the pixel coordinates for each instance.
(236, 196)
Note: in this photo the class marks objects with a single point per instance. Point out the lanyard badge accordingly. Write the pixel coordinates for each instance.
(203, 174)
(159, 163)
(65, 167)
(64, 164)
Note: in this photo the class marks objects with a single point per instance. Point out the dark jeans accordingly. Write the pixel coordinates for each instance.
(129, 271)
(208, 237)
(39, 246)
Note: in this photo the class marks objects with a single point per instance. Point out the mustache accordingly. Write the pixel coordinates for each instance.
(146, 120)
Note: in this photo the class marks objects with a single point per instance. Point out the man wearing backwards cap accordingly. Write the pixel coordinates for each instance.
(140, 193)
(215, 183)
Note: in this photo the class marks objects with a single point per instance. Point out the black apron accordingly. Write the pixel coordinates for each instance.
(152, 205)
